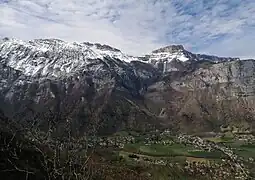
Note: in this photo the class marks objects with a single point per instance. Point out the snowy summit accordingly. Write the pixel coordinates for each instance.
(56, 57)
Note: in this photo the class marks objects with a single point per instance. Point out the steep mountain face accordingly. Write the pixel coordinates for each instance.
(214, 95)
(77, 80)
(98, 84)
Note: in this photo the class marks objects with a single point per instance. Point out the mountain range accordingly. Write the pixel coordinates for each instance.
(90, 83)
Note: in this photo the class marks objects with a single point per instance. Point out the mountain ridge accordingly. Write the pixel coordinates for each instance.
(43, 75)
(40, 49)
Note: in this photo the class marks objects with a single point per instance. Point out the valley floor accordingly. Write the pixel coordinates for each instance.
(160, 155)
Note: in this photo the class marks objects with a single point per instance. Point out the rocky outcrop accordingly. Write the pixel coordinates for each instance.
(169, 58)
(170, 49)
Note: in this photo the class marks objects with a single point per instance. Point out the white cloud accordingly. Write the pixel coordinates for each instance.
(219, 27)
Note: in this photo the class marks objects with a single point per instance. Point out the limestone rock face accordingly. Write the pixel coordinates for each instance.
(209, 96)
(94, 83)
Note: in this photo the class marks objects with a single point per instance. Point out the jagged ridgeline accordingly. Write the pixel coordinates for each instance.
(97, 84)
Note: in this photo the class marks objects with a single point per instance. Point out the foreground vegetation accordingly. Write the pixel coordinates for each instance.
(28, 153)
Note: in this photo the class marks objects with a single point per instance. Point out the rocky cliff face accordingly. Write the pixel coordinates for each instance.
(94, 83)
(210, 96)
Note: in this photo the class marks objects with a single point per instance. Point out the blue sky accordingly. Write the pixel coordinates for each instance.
(219, 27)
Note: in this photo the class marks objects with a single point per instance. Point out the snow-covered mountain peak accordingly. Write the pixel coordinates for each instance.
(179, 53)
(56, 44)
(102, 47)
(169, 53)
(170, 49)
(54, 56)
(167, 57)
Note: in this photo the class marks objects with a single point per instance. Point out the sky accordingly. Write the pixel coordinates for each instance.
(217, 27)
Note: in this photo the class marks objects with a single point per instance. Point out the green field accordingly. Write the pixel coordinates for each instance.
(158, 150)
(220, 139)
(155, 159)
(246, 151)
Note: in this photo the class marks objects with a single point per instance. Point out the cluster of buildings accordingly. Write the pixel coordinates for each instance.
(232, 159)
(112, 141)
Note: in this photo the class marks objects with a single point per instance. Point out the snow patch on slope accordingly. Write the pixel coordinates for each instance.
(114, 54)
(55, 57)
(168, 56)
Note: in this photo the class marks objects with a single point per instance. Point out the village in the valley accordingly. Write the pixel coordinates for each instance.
(223, 155)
